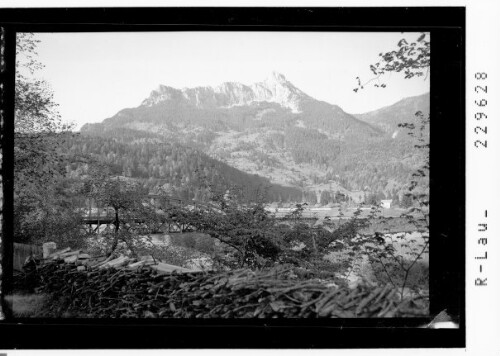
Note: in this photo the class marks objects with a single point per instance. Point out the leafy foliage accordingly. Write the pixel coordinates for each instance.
(41, 195)
(414, 60)
(410, 58)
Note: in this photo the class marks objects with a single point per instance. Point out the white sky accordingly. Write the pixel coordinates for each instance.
(94, 75)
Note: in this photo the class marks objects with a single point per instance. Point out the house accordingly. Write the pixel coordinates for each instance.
(386, 204)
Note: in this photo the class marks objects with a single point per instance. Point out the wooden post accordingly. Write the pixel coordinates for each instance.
(48, 248)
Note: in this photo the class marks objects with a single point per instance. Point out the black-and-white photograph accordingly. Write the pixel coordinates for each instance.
(222, 175)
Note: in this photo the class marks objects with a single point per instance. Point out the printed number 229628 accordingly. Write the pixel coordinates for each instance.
(481, 102)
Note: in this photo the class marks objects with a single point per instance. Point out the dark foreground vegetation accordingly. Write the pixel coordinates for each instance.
(282, 292)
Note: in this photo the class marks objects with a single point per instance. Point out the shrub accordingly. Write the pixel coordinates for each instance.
(418, 276)
(204, 244)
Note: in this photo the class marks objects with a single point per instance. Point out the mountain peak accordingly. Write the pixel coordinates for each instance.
(161, 93)
(277, 78)
(274, 89)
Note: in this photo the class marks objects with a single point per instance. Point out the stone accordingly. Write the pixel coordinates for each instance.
(146, 258)
(48, 249)
(71, 259)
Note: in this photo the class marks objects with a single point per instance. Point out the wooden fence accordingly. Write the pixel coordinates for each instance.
(22, 251)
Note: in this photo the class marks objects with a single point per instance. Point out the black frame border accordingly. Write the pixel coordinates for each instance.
(447, 178)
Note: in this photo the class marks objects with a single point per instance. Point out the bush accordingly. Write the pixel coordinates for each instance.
(196, 241)
(188, 241)
(418, 276)
(205, 244)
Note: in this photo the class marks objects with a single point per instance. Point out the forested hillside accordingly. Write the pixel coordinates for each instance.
(389, 117)
(183, 171)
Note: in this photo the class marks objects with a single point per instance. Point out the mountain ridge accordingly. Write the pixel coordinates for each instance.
(275, 89)
(208, 106)
(388, 117)
(275, 130)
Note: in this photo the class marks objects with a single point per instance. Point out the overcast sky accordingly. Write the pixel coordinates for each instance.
(94, 75)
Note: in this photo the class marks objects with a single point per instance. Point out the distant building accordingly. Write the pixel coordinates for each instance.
(386, 204)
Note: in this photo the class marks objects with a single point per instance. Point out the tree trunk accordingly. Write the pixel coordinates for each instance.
(115, 239)
(117, 221)
(315, 248)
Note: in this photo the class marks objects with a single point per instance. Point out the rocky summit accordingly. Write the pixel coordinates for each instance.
(275, 89)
